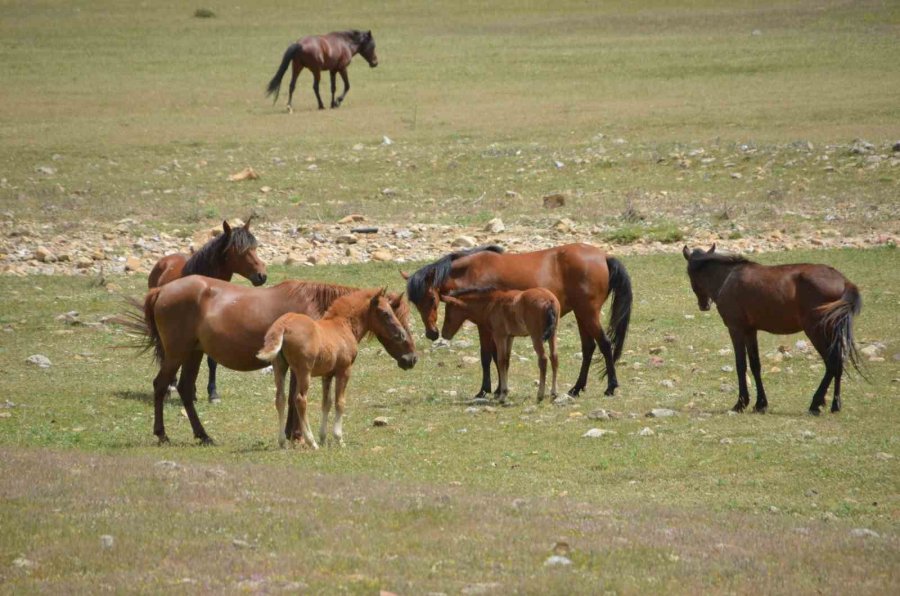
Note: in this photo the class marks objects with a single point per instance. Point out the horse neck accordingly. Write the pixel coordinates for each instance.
(715, 275)
(482, 308)
(353, 315)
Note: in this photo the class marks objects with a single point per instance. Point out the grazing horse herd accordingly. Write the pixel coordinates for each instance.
(313, 329)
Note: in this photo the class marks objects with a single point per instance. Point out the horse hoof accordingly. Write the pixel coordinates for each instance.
(610, 392)
(814, 412)
(207, 441)
(739, 408)
(163, 439)
(215, 399)
(761, 410)
(290, 110)
(573, 392)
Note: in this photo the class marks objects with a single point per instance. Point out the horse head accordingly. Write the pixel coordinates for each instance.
(240, 253)
(704, 299)
(427, 301)
(366, 47)
(455, 314)
(389, 321)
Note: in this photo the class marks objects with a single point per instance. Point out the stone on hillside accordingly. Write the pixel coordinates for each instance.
(45, 170)
(646, 432)
(464, 242)
(661, 413)
(389, 192)
(107, 541)
(385, 140)
(352, 218)
(470, 360)
(247, 173)
(596, 433)
(558, 561)
(511, 194)
(346, 239)
(132, 264)
(600, 414)
(883, 456)
(564, 400)
(382, 255)
(864, 533)
(871, 350)
(495, 226)
(554, 201)
(44, 255)
(564, 225)
(380, 421)
(358, 147)
(39, 360)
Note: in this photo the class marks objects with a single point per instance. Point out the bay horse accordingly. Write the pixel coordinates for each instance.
(232, 251)
(508, 314)
(782, 299)
(581, 277)
(328, 348)
(332, 52)
(194, 315)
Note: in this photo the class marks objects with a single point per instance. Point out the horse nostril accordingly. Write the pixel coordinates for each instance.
(431, 334)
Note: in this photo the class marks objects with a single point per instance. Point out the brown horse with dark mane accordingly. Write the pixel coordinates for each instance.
(580, 276)
(195, 315)
(232, 251)
(332, 52)
(750, 297)
(328, 348)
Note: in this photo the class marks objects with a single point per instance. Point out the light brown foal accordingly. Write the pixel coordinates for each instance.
(508, 313)
(328, 347)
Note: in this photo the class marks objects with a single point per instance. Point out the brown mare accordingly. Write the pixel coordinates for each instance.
(328, 347)
(331, 52)
(195, 314)
(232, 251)
(750, 297)
(508, 314)
(579, 275)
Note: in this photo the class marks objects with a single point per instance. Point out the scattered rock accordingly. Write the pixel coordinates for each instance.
(39, 360)
(519, 503)
(471, 360)
(358, 147)
(382, 255)
(646, 432)
(495, 226)
(346, 239)
(238, 543)
(44, 255)
(661, 413)
(557, 561)
(472, 410)
(511, 194)
(667, 383)
(871, 350)
(726, 440)
(167, 465)
(564, 226)
(463, 242)
(265, 189)
(564, 400)
(352, 218)
(385, 140)
(247, 173)
(600, 414)
(23, 563)
(69, 318)
(380, 421)
(802, 345)
(882, 456)
(554, 201)
(864, 533)
(389, 192)
(132, 264)
(808, 434)
(107, 541)
(45, 170)
(595, 433)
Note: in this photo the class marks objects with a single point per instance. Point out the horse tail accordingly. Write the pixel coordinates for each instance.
(274, 338)
(620, 286)
(837, 320)
(275, 83)
(551, 320)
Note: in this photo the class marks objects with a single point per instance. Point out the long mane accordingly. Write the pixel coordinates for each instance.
(211, 255)
(699, 259)
(435, 274)
(323, 295)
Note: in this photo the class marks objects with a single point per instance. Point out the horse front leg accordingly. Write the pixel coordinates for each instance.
(340, 403)
(333, 74)
(280, 370)
(504, 350)
(326, 408)
(762, 404)
(538, 343)
(300, 399)
(346, 80)
(588, 345)
(740, 365)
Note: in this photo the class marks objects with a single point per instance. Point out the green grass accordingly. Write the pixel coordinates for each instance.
(427, 502)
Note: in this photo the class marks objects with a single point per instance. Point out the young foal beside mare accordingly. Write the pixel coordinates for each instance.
(816, 299)
(232, 251)
(328, 347)
(508, 314)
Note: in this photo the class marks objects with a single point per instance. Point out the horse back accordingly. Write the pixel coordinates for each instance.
(167, 269)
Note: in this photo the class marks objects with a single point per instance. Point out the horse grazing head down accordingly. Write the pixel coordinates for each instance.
(365, 44)
(389, 321)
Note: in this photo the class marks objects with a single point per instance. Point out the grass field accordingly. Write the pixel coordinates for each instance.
(739, 118)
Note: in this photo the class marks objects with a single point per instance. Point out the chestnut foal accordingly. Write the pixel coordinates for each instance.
(508, 313)
(328, 347)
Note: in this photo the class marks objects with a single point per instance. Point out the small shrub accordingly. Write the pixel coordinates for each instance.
(204, 13)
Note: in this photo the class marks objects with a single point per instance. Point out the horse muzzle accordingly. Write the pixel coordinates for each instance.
(258, 279)
(432, 334)
(407, 361)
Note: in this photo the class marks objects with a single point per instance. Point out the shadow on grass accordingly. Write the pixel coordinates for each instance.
(142, 396)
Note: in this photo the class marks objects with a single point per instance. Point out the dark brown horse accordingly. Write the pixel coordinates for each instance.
(232, 251)
(331, 52)
(195, 315)
(750, 297)
(328, 348)
(579, 275)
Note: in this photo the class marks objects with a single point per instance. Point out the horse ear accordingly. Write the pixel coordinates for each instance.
(396, 301)
(369, 34)
(404, 274)
(247, 225)
(686, 253)
(226, 228)
(712, 249)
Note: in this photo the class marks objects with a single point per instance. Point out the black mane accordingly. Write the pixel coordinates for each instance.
(435, 274)
(211, 255)
(700, 258)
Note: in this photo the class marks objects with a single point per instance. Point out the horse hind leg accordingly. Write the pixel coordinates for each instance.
(187, 389)
(211, 384)
(538, 344)
(279, 368)
(161, 387)
(326, 409)
(340, 403)
(612, 381)
(296, 73)
(333, 74)
(820, 342)
(762, 403)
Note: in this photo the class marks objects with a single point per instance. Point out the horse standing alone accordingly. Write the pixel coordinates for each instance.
(332, 52)
(232, 251)
(328, 348)
(508, 314)
(783, 299)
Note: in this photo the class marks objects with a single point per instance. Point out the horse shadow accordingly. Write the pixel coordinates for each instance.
(141, 396)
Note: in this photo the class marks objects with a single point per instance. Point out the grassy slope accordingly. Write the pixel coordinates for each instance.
(622, 501)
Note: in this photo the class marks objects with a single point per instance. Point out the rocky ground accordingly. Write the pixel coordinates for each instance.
(47, 249)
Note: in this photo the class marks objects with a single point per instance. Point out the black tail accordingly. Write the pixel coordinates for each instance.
(550, 325)
(140, 324)
(275, 83)
(838, 323)
(620, 286)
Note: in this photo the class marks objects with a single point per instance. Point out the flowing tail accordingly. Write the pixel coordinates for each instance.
(550, 325)
(140, 321)
(620, 286)
(275, 83)
(274, 336)
(838, 322)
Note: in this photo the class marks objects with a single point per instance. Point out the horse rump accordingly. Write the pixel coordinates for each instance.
(274, 338)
